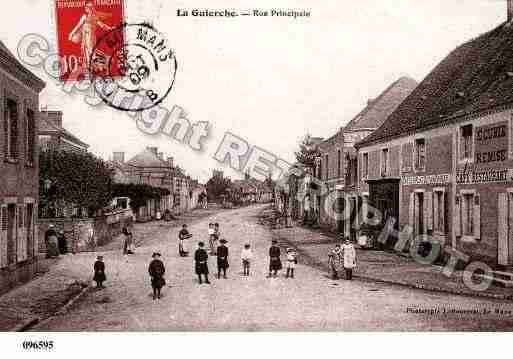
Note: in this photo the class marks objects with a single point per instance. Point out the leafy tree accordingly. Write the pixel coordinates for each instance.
(217, 187)
(308, 152)
(78, 179)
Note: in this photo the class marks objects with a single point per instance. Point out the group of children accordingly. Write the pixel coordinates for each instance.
(340, 258)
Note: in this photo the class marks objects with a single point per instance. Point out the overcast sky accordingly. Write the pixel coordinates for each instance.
(269, 80)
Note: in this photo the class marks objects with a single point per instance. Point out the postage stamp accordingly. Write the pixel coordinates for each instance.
(133, 67)
(80, 23)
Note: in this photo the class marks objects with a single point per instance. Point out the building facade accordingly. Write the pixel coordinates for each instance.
(442, 163)
(19, 168)
(337, 167)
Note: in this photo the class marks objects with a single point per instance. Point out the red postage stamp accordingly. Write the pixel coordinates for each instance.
(80, 25)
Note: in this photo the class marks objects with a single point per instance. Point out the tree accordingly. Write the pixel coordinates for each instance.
(73, 179)
(217, 187)
(308, 152)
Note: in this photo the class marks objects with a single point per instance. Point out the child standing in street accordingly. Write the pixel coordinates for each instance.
(156, 271)
(99, 272)
(291, 262)
(211, 238)
(222, 259)
(201, 259)
(246, 256)
(349, 258)
(274, 259)
(183, 236)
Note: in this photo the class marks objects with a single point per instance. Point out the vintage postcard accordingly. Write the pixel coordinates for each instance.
(286, 166)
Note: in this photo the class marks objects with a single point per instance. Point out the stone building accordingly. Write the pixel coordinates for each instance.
(19, 168)
(338, 165)
(442, 163)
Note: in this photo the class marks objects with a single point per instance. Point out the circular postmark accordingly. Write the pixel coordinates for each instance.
(133, 67)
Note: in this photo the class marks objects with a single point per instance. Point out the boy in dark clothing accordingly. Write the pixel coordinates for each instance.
(99, 272)
(274, 259)
(201, 259)
(222, 259)
(156, 271)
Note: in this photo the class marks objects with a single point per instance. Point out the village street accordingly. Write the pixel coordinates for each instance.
(312, 301)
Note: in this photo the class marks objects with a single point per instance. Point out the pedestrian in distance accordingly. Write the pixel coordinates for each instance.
(201, 260)
(51, 241)
(211, 238)
(127, 241)
(63, 243)
(274, 259)
(217, 235)
(99, 272)
(156, 271)
(183, 236)
(222, 258)
(246, 256)
(291, 262)
(349, 258)
(336, 261)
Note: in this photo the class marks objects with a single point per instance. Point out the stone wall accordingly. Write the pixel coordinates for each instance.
(86, 234)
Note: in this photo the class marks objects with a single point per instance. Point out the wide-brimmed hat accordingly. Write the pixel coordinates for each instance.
(289, 249)
(223, 241)
(156, 254)
(201, 244)
(274, 241)
(99, 258)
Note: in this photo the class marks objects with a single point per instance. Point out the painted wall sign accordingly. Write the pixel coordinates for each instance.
(491, 144)
(429, 179)
(469, 176)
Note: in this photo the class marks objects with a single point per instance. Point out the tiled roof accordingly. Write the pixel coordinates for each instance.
(476, 76)
(377, 110)
(11, 64)
(47, 127)
(147, 159)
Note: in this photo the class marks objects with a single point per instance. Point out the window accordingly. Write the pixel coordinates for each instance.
(467, 214)
(420, 154)
(365, 165)
(384, 162)
(327, 167)
(30, 137)
(439, 211)
(466, 142)
(339, 164)
(11, 129)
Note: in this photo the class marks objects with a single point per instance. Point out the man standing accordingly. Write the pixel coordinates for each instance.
(52, 243)
(201, 260)
(307, 209)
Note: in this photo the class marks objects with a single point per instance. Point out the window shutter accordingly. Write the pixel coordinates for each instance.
(477, 217)
(22, 235)
(6, 130)
(436, 214)
(502, 229)
(457, 216)
(3, 236)
(411, 214)
(429, 210)
(14, 131)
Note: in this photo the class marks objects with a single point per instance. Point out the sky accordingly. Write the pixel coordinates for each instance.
(267, 80)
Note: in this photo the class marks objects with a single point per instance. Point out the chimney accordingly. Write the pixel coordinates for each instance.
(510, 10)
(153, 150)
(119, 157)
(170, 161)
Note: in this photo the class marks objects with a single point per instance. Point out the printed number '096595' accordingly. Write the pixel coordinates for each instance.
(39, 345)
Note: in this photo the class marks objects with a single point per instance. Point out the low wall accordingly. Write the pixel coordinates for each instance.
(86, 234)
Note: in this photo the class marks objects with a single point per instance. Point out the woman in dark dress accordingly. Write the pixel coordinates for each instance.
(274, 259)
(201, 260)
(157, 270)
(99, 272)
(222, 258)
